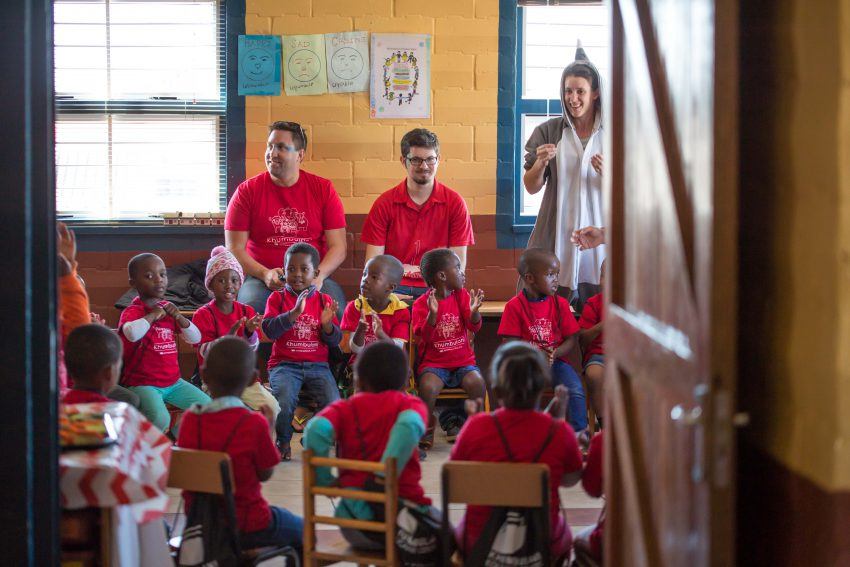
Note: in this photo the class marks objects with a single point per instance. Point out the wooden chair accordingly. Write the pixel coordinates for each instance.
(211, 472)
(514, 485)
(338, 549)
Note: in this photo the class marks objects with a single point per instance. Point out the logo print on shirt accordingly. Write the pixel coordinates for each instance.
(541, 332)
(305, 327)
(164, 333)
(289, 221)
(448, 325)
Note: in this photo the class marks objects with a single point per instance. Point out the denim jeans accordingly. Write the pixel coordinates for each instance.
(414, 292)
(563, 373)
(255, 293)
(285, 529)
(286, 380)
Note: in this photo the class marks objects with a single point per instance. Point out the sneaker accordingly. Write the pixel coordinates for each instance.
(285, 451)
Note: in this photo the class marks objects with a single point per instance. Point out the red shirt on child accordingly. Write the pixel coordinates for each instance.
(395, 320)
(545, 323)
(152, 360)
(84, 397)
(277, 217)
(244, 435)
(525, 431)
(301, 343)
(591, 481)
(376, 413)
(407, 230)
(590, 316)
(212, 323)
(445, 345)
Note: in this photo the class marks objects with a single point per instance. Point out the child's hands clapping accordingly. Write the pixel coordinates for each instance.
(234, 330)
(298, 309)
(476, 298)
(433, 304)
(377, 325)
(558, 407)
(363, 322)
(328, 312)
(252, 324)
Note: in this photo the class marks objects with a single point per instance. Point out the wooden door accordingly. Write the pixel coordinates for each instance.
(671, 317)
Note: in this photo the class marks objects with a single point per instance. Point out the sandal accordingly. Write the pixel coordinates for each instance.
(427, 440)
(301, 417)
(285, 452)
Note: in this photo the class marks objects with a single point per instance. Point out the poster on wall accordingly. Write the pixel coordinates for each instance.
(348, 61)
(304, 67)
(401, 76)
(259, 65)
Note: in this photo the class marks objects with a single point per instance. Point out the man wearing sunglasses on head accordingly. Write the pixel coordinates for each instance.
(417, 215)
(278, 208)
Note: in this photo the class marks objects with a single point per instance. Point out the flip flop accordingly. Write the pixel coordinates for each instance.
(299, 421)
(285, 453)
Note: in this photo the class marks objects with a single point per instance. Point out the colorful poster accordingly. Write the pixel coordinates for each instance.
(304, 67)
(348, 61)
(401, 76)
(259, 65)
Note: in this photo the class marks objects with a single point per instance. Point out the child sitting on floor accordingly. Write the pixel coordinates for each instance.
(302, 323)
(147, 328)
(378, 314)
(93, 360)
(380, 421)
(519, 432)
(442, 321)
(226, 424)
(591, 344)
(226, 316)
(543, 318)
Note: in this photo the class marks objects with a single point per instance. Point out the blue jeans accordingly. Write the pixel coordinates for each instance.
(412, 291)
(285, 529)
(255, 293)
(563, 373)
(286, 380)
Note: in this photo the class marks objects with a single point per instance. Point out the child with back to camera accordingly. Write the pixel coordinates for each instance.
(442, 319)
(93, 360)
(519, 432)
(147, 328)
(302, 323)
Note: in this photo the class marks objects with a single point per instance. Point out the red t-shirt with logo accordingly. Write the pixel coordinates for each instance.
(445, 345)
(375, 413)
(396, 324)
(407, 230)
(303, 342)
(545, 323)
(591, 315)
(152, 360)
(277, 217)
(525, 431)
(212, 323)
(244, 435)
(84, 397)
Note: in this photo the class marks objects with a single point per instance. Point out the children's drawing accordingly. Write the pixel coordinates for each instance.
(259, 65)
(348, 57)
(401, 76)
(305, 69)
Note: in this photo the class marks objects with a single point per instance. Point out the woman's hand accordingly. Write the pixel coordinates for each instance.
(273, 278)
(596, 162)
(588, 237)
(545, 153)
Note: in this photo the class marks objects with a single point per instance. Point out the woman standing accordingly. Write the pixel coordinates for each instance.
(564, 154)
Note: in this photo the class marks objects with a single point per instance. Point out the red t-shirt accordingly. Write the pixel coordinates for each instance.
(591, 481)
(445, 345)
(407, 230)
(590, 316)
(212, 323)
(152, 360)
(376, 414)
(545, 323)
(277, 217)
(244, 435)
(396, 323)
(526, 431)
(303, 342)
(84, 397)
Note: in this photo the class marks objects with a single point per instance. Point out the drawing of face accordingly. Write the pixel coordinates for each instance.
(258, 65)
(304, 65)
(347, 63)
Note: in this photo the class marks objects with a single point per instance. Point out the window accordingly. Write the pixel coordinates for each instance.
(546, 43)
(140, 107)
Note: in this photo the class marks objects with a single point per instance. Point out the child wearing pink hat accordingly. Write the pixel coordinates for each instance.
(226, 316)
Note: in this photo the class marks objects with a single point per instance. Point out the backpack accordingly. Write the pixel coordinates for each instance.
(513, 536)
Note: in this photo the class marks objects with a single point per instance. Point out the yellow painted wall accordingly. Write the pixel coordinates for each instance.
(360, 154)
(799, 232)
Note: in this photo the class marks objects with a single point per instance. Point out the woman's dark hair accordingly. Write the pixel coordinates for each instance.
(382, 366)
(519, 373)
(303, 248)
(434, 261)
(299, 137)
(585, 71)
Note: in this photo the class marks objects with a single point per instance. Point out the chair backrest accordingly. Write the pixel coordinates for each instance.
(389, 499)
(200, 471)
(509, 485)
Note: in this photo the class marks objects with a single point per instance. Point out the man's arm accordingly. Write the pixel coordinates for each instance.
(372, 251)
(334, 256)
(461, 253)
(237, 241)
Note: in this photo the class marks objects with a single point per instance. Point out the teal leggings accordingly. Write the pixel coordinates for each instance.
(152, 401)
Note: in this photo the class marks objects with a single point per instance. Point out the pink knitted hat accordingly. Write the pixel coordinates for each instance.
(222, 259)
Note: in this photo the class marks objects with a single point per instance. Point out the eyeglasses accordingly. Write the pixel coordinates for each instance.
(417, 162)
(294, 128)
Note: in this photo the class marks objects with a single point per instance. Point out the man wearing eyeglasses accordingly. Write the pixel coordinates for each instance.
(417, 215)
(279, 207)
